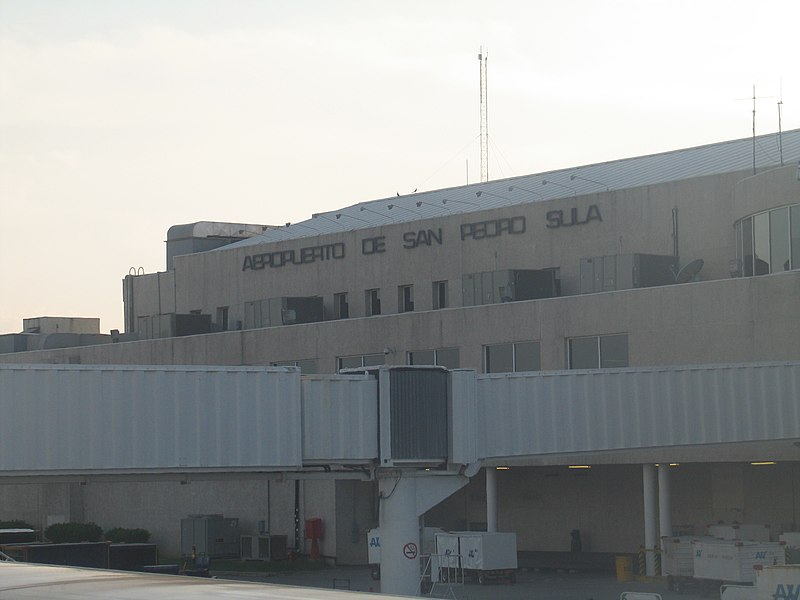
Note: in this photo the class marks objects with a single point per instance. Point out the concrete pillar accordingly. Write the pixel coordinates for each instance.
(649, 489)
(664, 502)
(400, 541)
(491, 499)
(404, 497)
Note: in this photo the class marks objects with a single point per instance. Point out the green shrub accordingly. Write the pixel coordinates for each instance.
(73, 532)
(121, 535)
(15, 524)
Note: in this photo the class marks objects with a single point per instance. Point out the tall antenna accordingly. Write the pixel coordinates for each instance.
(754, 98)
(780, 131)
(754, 129)
(482, 58)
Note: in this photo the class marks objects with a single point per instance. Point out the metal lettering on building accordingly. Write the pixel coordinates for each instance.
(487, 229)
(303, 256)
(423, 237)
(558, 218)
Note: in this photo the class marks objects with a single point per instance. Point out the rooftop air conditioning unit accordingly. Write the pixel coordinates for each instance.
(254, 547)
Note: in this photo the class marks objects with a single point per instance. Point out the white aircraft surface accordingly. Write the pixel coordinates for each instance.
(28, 581)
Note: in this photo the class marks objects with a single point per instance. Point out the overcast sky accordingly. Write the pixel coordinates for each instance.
(119, 119)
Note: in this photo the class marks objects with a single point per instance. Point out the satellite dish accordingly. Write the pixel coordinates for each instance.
(688, 272)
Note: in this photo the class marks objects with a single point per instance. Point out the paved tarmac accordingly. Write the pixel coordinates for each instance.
(530, 585)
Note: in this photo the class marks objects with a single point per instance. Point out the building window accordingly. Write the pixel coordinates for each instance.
(509, 358)
(306, 366)
(443, 357)
(439, 295)
(768, 242)
(362, 360)
(598, 352)
(372, 302)
(341, 309)
(222, 318)
(405, 298)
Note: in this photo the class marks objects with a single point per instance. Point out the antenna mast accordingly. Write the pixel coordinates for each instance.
(482, 58)
(754, 129)
(780, 131)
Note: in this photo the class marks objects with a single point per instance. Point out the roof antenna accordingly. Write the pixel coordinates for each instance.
(754, 98)
(754, 129)
(780, 131)
(482, 59)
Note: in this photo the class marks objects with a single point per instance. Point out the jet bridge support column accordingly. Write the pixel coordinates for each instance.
(491, 499)
(664, 502)
(650, 519)
(405, 495)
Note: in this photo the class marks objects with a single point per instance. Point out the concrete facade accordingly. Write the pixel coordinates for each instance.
(715, 317)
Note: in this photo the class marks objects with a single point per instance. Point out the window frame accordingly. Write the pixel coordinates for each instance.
(372, 302)
(599, 351)
(514, 358)
(341, 308)
(439, 295)
(405, 298)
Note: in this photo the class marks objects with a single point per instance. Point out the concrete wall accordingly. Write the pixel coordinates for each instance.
(635, 220)
(159, 505)
(731, 320)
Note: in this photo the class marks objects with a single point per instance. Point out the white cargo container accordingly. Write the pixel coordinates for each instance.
(677, 558)
(792, 541)
(790, 538)
(740, 531)
(482, 554)
(778, 583)
(734, 560)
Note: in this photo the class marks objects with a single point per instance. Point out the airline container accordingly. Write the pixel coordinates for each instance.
(778, 583)
(677, 558)
(734, 560)
(740, 531)
(792, 540)
(480, 550)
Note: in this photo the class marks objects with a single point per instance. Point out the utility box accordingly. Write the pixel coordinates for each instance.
(509, 285)
(213, 535)
(263, 547)
(740, 531)
(735, 560)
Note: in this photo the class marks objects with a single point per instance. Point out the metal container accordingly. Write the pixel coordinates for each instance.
(778, 583)
(480, 550)
(213, 535)
(734, 560)
(742, 531)
(677, 558)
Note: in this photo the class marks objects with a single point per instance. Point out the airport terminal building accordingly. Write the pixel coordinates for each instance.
(673, 260)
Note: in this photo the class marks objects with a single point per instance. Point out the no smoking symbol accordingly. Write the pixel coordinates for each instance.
(410, 550)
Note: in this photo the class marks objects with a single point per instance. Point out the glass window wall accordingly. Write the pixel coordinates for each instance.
(769, 242)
